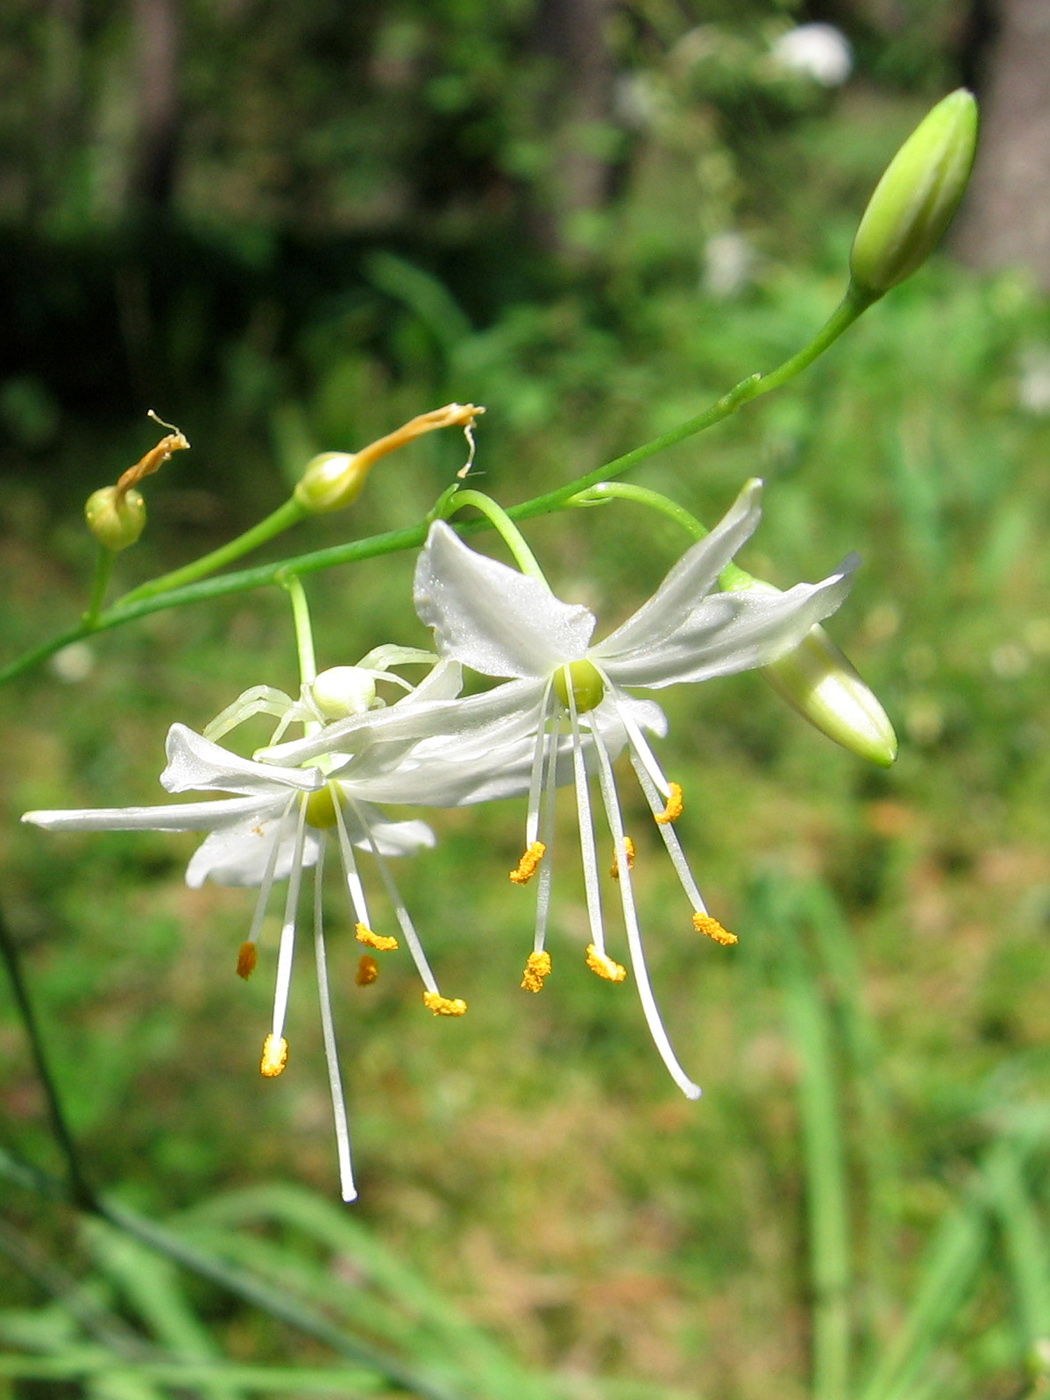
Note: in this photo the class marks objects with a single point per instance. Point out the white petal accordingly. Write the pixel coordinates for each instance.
(198, 764)
(691, 578)
(237, 854)
(442, 682)
(172, 816)
(729, 632)
(447, 719)
(493, 618)
(387, 837)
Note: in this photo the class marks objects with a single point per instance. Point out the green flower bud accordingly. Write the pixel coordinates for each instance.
(334, 479)
(331, 481)
(914, 201)
(116, 518)
(819, 682)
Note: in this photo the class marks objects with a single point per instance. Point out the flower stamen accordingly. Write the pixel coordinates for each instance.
(527, 866)
(367, 970)
(247, 958)
(331, 1050)
(704, 923)
(629, 847)
(673, 810)
(607, 783)
(444, 1006)
(274, 1056)
(537, 970)
(383, 943)
(603, 965)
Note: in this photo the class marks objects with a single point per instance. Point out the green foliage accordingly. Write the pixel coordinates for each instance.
(859, 1206)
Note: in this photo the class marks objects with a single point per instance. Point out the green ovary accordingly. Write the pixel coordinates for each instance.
(320, 808)
(588, 688)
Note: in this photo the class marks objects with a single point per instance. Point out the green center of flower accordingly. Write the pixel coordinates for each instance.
(320, 808)
(588, 688)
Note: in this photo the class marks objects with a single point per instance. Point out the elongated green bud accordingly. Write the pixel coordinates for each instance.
(914, 201)
(820, 682)
(116, 518)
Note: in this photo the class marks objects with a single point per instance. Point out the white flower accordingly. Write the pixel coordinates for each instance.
(504, 623)
(817, 51)
(278, 822)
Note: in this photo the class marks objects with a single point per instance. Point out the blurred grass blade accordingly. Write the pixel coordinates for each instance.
(1024, 1239)
(275, 1302)
(874, 1140)
(825, 1174)
(422, 293)
(153, 1289)
(80, 1304)
(395, 1300)
(951, 1268)
(202, 1376)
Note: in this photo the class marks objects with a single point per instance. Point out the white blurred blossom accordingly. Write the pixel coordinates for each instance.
(817, 51)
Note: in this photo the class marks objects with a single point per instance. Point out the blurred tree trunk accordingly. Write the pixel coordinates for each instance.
(1006, 219)
(577, 101)
(158, 35)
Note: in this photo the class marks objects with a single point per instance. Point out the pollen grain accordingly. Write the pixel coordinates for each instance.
(537, 970)
(703, 923)
(673, 809)
(526, 867)
(379, 941)
(274, 1056)
(603, 965)
(614, 869)
(443, 1006)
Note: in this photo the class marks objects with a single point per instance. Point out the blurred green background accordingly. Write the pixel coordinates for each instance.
(287, 228)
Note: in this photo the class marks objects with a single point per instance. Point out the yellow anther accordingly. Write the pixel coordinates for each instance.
(603, 965)
(526, 867)
(274, 1056)
(614, 869)
(703, 923)
(246, 959)
(537, 970)
(379, 941)
(673, 810)
(443, 1006)
(367, 970)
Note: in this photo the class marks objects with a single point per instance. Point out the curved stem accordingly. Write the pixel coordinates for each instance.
(188, 585)
(731, 579)
(499, 520)
(643, 496)
(304, 635)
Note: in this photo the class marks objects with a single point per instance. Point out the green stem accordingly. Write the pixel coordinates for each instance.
(500, 521)
(103, 574)
(643, 496)
(304, 635)
(188, 585)
(280, 520)
(731, 579)
(79, 1190)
